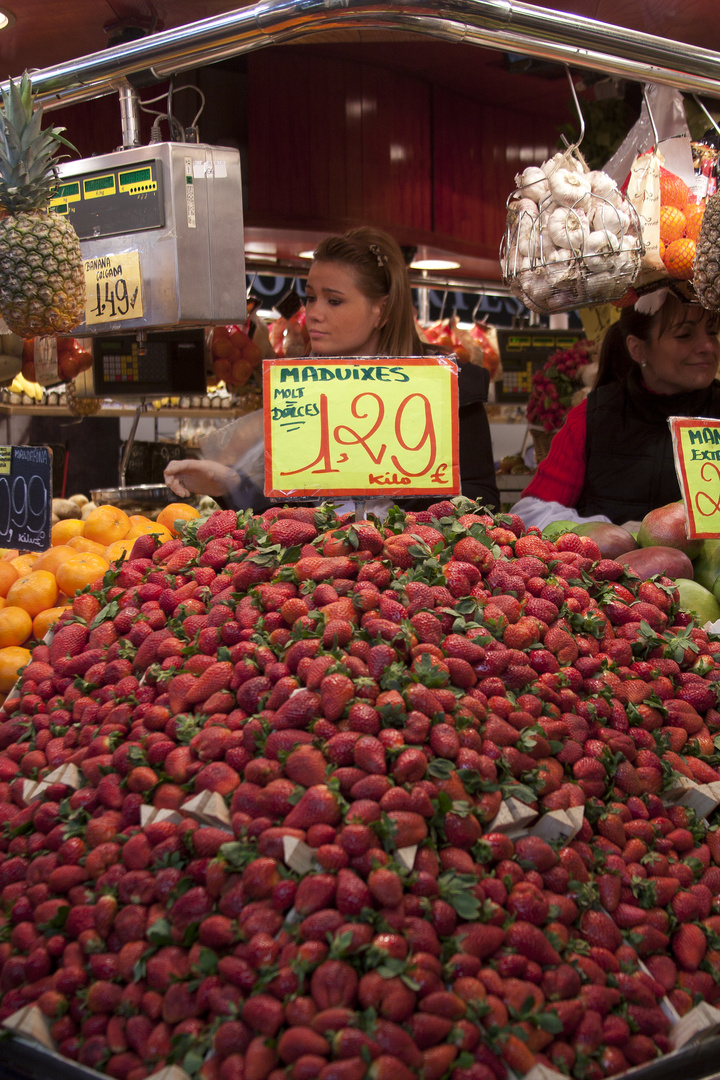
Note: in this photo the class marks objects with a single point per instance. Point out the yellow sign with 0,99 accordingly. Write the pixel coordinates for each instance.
(113, 288)
(361, 426)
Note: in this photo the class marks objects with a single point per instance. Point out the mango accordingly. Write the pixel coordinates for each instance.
(612, 540)
(706, 566)
(694, 597)
(665, 526)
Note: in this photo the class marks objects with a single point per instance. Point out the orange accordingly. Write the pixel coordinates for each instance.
(8, 574)
(673, 190)
(81, 543)
(661, 249)
(176, 512)
(34, 592)
(53, 557)
(137, 519)
(81, 570)
(693, 221)
(11, 660)
(47, 618)
(62, 531)
(15, 626)
(672, 223)
(106, 524)
(161, 531)
(679, 258)
(3, 602)
(116, 550)
(24, 563)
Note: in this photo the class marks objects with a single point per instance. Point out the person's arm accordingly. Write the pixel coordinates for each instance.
(553, 491)
(561, 475)
(189, 477)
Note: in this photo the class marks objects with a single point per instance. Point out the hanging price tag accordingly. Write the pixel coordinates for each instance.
(359, 426)
(113, 288)
(696, 448)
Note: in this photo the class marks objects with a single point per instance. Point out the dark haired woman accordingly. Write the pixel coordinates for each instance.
(612, 460)
(359, 303)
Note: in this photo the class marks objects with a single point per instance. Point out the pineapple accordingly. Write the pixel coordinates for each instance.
(42, 284)
(707, 256)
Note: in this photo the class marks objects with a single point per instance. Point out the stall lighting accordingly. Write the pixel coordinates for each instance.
(306, 254)
(434, 264)
(6, 19)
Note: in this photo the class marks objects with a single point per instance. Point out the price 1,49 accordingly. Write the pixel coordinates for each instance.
(114, 300)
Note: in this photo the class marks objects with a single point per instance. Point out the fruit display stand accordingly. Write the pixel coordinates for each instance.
(461, 827)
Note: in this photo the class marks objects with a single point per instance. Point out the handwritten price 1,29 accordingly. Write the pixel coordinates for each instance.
(23, 504)
(343, 435)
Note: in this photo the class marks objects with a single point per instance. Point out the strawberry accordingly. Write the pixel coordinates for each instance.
(689, 946)
(336, 691)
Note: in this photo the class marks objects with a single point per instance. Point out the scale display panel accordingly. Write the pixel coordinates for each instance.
(522, 353)
(172, 362)
(114, 201)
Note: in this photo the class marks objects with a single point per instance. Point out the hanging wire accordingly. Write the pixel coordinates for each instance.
(573, 146)
(652, 118)
(709, 115)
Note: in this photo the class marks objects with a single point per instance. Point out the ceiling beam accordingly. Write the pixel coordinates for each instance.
(494, 24)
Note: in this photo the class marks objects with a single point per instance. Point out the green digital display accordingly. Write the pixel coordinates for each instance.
(60, 208)
(66, 191)
(99, 183)
(137, 176)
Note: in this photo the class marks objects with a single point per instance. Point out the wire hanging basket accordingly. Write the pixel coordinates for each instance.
(572, 239)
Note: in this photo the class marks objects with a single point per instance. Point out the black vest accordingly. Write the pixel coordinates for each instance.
(629, 466)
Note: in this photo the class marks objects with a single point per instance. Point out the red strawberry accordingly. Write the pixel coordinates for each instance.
(689, 946)
(336, 691)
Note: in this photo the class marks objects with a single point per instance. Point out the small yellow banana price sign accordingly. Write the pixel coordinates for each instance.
(696, 448)
(113, 288)
(359, 426)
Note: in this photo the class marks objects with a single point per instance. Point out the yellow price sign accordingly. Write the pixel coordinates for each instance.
(597, 320)
(359, 426)
(113, 288)
(696, 448)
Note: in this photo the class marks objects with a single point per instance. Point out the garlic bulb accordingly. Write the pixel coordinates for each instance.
(562, 161)
(601, 242)
(532, 184)
(601, 184)
(567, 228)
(569, 188)
(607, 217)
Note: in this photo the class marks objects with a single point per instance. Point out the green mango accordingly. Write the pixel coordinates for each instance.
(695, 597)
(557, 528)
(706, 566)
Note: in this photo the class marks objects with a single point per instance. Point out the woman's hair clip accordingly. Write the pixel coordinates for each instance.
(382, 259)
(651, 302)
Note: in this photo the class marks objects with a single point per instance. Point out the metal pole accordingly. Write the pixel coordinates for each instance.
(129, 117)
(493, 24)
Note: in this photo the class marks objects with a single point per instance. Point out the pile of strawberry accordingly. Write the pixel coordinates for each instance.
(356, 705)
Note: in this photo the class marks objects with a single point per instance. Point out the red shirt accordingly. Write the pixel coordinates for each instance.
(561, 475)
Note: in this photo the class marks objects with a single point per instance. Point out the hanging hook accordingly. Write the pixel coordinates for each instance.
(442, 308)
(581, 118)
(652, 118)
(481, 297)
(710, 117)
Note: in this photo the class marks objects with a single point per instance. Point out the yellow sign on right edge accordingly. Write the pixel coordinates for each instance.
(696, 448)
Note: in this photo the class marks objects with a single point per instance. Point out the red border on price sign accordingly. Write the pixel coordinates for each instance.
(696, 449)
(361, 426)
